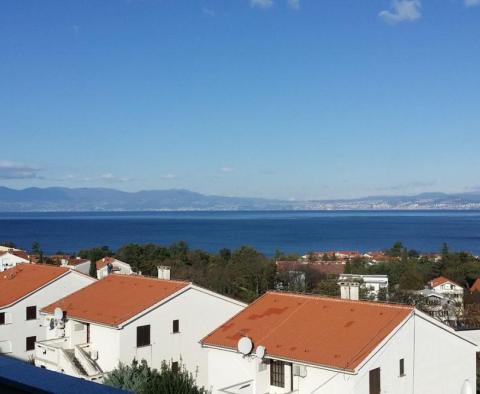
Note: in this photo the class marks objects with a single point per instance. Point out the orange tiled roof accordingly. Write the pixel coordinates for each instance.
(76, 261)
(324, 331)
(19, 281)
(116, 298)
(476, 285)
(440, 281)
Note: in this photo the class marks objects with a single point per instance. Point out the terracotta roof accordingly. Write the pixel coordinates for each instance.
(318, 330)
(440, 281)
(116, 298)
(77, 261)
(331, 267)
(476, 285)
(19, 281)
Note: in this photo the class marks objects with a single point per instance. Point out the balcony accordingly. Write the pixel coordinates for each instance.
(55, 355)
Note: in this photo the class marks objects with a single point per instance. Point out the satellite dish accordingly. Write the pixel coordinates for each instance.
(58, 313)
(467, 387)
(260, 352)
(245, 345)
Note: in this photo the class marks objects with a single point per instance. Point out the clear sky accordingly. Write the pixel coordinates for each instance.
(272, 98)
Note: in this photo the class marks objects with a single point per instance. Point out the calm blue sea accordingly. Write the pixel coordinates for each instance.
(290, 231)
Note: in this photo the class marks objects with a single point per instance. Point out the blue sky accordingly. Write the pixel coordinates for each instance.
(271, 98)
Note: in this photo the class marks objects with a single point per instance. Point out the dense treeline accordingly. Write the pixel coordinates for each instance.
(246, 273)
(243, 273)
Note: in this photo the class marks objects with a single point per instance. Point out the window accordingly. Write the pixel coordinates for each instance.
(374, 380)
(31, 312)
(175, 366)
(176, 326)
(402, 367)
(143, 336)
(2, 318)
(277, 373)
(30, 343)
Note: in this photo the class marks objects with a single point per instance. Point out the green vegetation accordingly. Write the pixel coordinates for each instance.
(141, 379)
(243, 274)
(37, 251)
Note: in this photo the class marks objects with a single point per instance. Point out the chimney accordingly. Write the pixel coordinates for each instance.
(349, 290)
(163, 272)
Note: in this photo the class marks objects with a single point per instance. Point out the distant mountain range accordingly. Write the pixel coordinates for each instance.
(103, 199)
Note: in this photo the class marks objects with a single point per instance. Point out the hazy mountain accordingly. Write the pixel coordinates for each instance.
(103, 199)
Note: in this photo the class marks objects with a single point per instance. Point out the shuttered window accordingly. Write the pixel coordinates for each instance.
(402, 367)
(30, 343)
(375, 381)
(176, 326)
(143, 336)
(277, 373)
(31, 312)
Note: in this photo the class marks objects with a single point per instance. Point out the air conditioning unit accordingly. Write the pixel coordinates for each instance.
(299, 370)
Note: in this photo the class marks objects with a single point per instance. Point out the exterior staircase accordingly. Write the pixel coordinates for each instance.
(71, 356)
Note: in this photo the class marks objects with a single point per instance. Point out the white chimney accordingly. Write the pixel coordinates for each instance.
(163, 272)
(349, 290)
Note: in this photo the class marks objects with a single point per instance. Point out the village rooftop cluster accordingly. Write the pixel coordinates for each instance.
(61, 319)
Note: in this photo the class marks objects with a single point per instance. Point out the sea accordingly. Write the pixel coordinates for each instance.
(267, 231)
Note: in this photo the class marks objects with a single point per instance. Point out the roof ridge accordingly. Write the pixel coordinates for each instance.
(336, 299)
(136, 276)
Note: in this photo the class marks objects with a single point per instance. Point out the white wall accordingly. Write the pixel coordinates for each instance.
(199, 313)
(19, 329)
(9, 260)
(121, 268)
(439, 350)
(84, 268)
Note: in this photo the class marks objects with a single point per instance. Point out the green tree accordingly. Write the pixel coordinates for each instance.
(395, 250)
(36, 250)
(141, 379)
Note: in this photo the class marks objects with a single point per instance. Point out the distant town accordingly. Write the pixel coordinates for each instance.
(61, 199)
(291, 323)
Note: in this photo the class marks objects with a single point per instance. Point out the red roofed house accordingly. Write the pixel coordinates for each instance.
(24, 290)
(124, 317)
(108, 265)
(77, 264)
(285, 343)
(11, 258)
(447, 287)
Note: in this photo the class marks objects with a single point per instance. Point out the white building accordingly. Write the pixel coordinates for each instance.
(285, 343)
(109, 265)
(24, 290)
(121, 318)
(77, 264)
(350, 284)
(10, 258)
(447, 287)
(9, 249)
